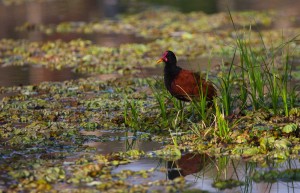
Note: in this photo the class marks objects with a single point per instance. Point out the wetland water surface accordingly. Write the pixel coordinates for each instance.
(202, 172)
(50, 131)
(31, 75)
(54, 12)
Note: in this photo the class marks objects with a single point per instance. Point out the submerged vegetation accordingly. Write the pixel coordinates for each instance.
(45, 128)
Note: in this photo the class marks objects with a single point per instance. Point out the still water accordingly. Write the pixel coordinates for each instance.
(200, 171)
(56, 11)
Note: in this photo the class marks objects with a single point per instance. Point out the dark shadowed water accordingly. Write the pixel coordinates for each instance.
(28, 75)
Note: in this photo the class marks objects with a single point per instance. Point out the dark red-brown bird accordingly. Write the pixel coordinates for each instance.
(184, 84)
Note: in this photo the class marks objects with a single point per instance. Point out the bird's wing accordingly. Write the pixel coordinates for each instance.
(187, 85)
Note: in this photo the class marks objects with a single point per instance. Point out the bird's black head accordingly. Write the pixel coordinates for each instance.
(168, 57)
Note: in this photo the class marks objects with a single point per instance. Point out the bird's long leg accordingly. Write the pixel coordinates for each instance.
(181, 105)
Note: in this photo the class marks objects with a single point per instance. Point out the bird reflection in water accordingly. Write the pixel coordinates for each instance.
(189, 163)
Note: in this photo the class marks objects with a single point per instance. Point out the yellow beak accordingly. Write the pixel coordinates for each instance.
(159, 61)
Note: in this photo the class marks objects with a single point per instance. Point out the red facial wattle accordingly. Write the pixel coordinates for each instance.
(163, 58)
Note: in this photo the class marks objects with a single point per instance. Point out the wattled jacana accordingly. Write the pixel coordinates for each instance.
(184, 84)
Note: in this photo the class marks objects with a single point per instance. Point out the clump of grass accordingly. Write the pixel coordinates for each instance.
(252, 73)
(202, 106)
(286, 95)
(131, 114)
(274, 89)
(196, 128)
(226, 88)
(221, 124)
(163, 98)
(262, 84)
(168, 119)
(160, 96)
(175, 136)
(287, 92)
